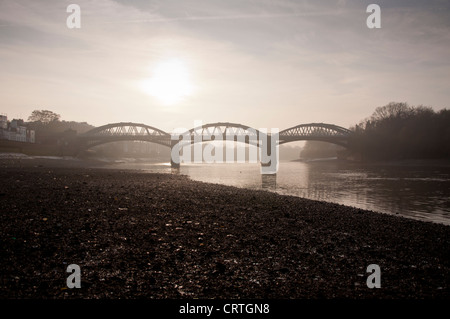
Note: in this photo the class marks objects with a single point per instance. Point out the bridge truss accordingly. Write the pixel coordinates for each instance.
(127, 131)
(316, 131)
(123, 132)
(222, 132)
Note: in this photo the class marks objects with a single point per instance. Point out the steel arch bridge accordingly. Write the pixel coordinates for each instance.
(222, 131)
(128, 131)
(316, 131)
(123, 131)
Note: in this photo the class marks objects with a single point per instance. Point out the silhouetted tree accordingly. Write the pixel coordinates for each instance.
(399, 131)
(43, 116)
(50, 130)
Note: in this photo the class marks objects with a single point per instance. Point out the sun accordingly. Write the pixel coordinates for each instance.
(170, 82)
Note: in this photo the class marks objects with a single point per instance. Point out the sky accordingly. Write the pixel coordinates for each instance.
(261, 63)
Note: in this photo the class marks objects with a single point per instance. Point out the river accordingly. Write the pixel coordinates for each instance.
(414, 190)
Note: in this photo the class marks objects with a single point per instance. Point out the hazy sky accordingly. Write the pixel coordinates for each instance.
(262, 63)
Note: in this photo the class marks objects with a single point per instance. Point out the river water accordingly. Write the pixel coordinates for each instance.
(419, 191)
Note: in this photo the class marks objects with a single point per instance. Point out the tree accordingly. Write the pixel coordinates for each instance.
(43, 116)
(391, 111)
(399, 131)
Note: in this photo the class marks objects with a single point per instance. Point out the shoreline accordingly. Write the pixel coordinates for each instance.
(406, 162)
(164, 236)
(22, 160)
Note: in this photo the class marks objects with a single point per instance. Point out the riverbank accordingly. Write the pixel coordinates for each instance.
(159, 236)
(442, 162)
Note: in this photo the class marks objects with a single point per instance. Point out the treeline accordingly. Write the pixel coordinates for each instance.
(49, 129)
(393, 131)
(400, 131)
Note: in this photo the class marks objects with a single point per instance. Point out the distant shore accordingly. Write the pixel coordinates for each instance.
(406, 162)
(23, 160)
(159, 236)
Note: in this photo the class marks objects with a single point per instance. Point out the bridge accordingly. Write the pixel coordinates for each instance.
(316, 131)
(220, 131)
(124, 131)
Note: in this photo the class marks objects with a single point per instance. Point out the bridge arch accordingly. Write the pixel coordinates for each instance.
(123, 131)
(316, 131)
(225, 130)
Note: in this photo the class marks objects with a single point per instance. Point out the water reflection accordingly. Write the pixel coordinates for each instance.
(421, 192)
(269, 182)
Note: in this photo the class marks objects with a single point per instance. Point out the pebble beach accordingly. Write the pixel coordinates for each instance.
(138, 235)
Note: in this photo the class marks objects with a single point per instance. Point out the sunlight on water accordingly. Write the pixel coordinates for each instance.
(416, 192)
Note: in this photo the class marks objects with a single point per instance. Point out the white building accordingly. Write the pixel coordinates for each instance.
(15, 131)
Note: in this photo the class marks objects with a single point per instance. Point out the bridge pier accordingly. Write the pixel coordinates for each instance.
(269, 181)
(174, 154)
(269, 154)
